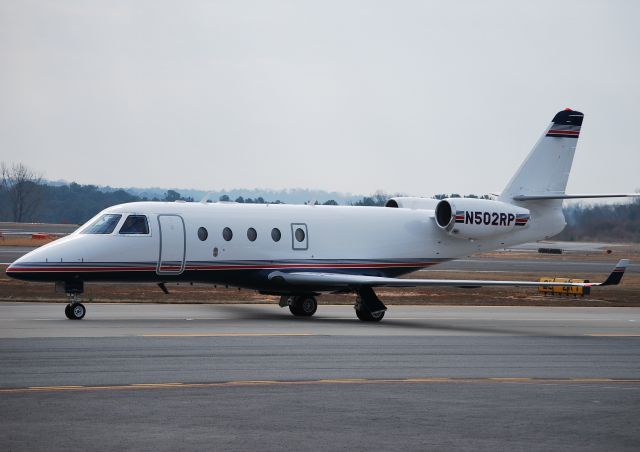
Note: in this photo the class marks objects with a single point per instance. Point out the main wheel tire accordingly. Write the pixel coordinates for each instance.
(366, 316)
(67, 312)
(77, 311)
(308, 306)
(294, 306)
(303, 306)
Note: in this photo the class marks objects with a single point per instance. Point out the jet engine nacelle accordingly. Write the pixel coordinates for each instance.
(407, 202)
(471, 218)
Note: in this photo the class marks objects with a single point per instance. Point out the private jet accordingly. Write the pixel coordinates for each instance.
(298, 252)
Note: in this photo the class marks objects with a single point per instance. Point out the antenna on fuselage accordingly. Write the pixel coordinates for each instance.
(205, 198)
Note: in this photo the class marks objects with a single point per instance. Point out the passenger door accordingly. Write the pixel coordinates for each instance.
(172, 245)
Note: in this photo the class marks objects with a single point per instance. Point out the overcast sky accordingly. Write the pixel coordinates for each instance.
(404, 96)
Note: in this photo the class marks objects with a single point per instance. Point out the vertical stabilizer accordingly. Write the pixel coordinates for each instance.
(546, 169)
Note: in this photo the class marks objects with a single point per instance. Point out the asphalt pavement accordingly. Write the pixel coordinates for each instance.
(252, 377)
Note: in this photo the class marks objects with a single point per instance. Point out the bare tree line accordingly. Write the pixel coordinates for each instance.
(23, 188)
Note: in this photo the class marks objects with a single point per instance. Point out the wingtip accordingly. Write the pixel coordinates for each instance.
(616, 274)
(622, 263)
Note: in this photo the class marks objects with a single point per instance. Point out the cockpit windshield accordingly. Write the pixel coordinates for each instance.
(103, 225)
(135, 224)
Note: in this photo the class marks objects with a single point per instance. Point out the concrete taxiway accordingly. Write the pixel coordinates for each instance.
(8, 254)
(9, 228)
(252, 377)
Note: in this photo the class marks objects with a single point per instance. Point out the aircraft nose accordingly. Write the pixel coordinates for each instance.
(19, 268)
(11, 270)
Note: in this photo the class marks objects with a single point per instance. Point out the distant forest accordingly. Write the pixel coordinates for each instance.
(31, 200)
(75, 204)
(607, 223)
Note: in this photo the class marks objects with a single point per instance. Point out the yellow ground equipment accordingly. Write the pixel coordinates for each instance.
(566, 290)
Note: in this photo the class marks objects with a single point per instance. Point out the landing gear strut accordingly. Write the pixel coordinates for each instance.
(300, 305)
(368, 306)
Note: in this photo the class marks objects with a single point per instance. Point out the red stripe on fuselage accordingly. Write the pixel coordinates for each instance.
(78, 269)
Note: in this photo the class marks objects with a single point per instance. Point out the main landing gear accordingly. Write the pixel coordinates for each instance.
(368, 306)
(366, 316)
(300, 305)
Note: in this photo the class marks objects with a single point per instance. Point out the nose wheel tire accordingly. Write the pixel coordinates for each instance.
(367, 316)
(75, 311)
(303, 306)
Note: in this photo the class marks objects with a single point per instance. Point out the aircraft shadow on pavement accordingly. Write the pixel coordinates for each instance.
(257, 313)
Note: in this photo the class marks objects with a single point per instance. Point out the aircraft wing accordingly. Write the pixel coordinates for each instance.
(339, 280)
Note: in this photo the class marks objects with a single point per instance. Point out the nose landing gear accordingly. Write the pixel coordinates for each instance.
(74, 310)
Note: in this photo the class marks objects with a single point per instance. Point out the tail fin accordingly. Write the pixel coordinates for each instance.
(546, 169)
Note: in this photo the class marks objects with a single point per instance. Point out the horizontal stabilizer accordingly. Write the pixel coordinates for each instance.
(564, 196)
(341, 280)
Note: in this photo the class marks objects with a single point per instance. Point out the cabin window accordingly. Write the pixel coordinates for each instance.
(276, 235)
(252, 235)
(299, 239)
(135, 224)
(203, 233)
(227, 234)
(103, 225)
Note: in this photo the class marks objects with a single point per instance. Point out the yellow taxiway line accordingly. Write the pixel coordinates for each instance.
(329, 381)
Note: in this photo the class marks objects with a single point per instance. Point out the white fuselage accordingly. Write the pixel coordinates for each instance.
(363, 240)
